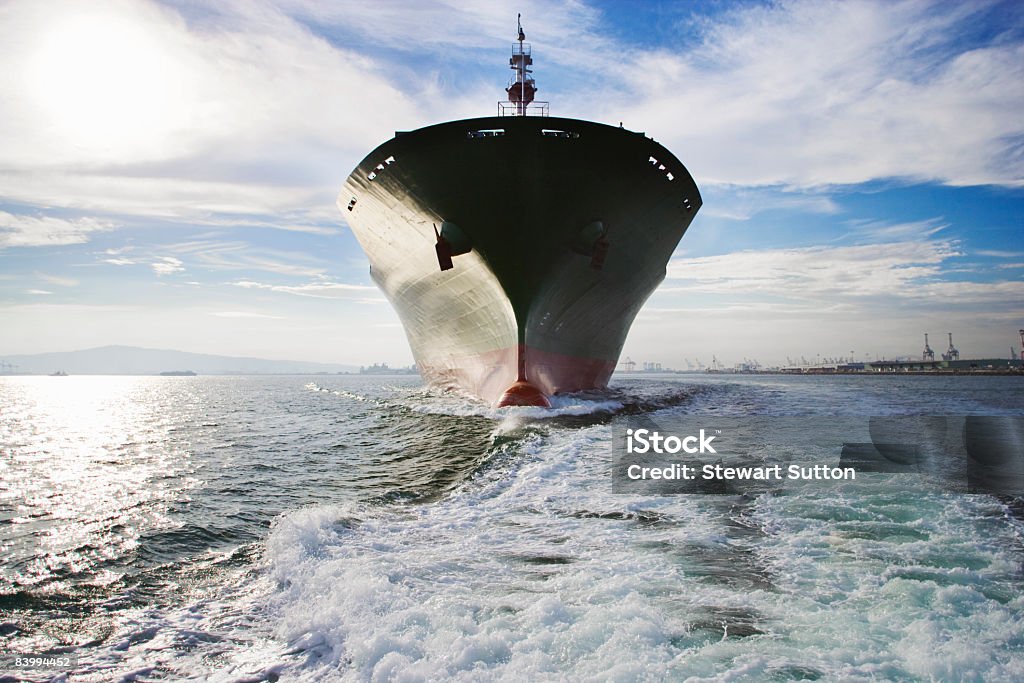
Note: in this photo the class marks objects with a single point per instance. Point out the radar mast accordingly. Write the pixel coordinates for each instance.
(522, 87)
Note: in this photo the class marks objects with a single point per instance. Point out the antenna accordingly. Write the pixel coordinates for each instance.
(521, 87)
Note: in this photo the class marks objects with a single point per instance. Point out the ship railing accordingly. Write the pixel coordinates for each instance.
(515, 109)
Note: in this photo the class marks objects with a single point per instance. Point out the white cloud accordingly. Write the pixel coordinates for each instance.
(171, 197)
(743, 203)
(167, 265)
(217, 255)
(566, 29)
(998, 253)
(894, 274)
(316, 211)
(255, 116)
(251, 84)
(251, 114)
(32, 231)
(245, 314)
(234, 255)
(801, 93)
(57, 280)
(884, 231)
(38, 291)
(816, 93)
(321, 290)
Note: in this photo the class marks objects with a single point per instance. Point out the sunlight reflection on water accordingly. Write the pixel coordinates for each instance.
(88, 465)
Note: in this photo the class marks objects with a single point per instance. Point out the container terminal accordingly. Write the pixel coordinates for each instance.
(947, 363)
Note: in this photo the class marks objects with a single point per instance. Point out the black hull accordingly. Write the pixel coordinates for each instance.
(533, 296)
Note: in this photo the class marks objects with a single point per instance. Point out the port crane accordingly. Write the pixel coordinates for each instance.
(951, 353)
(928, 354)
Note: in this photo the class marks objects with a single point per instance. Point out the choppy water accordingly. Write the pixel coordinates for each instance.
(346, 528)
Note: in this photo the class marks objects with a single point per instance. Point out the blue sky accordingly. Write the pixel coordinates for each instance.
(169, 170)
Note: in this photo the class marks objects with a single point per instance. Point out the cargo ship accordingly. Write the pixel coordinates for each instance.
(517, 249)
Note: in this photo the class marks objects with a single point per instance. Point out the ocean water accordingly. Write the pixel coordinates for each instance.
(341, 528)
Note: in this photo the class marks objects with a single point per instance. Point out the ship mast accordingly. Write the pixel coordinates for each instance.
(522, 87)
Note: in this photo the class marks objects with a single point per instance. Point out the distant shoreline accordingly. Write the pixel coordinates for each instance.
(814, 372)
(898, 373)
(985, 372)
(210, 374)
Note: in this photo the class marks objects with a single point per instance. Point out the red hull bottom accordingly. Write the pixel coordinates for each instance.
(496, 375)
(524, 394)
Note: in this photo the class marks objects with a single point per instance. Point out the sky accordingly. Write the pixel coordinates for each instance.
(169, 170)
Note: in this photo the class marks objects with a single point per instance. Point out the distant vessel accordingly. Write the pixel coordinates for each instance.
(518, 249)
(177, 373)
(59, 373)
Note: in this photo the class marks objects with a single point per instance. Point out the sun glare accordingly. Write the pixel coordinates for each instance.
(106, 84)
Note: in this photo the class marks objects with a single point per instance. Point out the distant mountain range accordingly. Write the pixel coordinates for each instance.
(132, 360)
